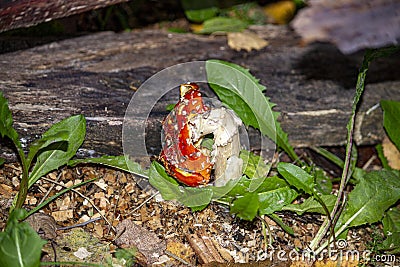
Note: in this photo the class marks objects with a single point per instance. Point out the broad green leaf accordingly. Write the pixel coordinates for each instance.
(296, 177)
(119, 162)
(195, 196)
(171, 190)
(391, 120)
(20, 245)
(270, 183)
(159, 178)
(312, 205)
(223, 24)
(241, 92)
(246, 207)
(6, 125)
(370, 198)
(391, 228)
(323, 184)
(44, 142)
(56, 156)
(2, 161)
(275, 200)
(200, 15)
(255, 168)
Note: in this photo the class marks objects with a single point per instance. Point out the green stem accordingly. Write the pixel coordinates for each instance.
(369, 56)
(23, 187)
(350, 131)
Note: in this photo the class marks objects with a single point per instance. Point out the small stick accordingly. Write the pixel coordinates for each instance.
(85, 197)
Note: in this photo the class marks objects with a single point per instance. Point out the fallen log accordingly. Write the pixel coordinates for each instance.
(96, 75)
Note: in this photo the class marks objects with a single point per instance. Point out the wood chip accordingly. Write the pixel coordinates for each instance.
(206, 249)
(62, 215)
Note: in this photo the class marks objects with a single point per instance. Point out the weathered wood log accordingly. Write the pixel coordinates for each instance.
(96, 75)
(23, 13)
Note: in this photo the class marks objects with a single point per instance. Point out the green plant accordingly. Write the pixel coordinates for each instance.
(373, 194)
(222, 19)
(20, 245)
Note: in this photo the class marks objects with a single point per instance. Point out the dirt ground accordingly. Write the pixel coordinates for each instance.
(90, 218)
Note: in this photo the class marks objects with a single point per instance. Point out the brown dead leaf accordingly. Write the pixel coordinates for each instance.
(391, 153)
(245, 40)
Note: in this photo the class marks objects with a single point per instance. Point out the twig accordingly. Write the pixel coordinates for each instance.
(79, 224)
(369, 162)
(144, 202)
(50, 189)
(83, 196)
(172, 255)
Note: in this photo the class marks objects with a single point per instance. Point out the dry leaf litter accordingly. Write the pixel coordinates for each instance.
(89, 223)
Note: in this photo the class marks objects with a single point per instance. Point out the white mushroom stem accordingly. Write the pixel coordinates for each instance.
(224, 125)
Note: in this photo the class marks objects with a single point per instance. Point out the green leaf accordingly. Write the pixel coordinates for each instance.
(159, 178)
(249, 12)
(119, 162)
(279, 221)
(195, 196)
(45, 142)
(20, 245)
(171, 190)
(242, 186)
(296, 177)
(382, 158)
(200, 15)
(6, 125)
(2, 161)
(275, 200)
(391, 228)
(56, 156)
(246, 207)
(223, 24)
(255, 168)
(170, 107)
(312, 205)
(391, 120)
(370, 198)
(323, 184)
(241, 92)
